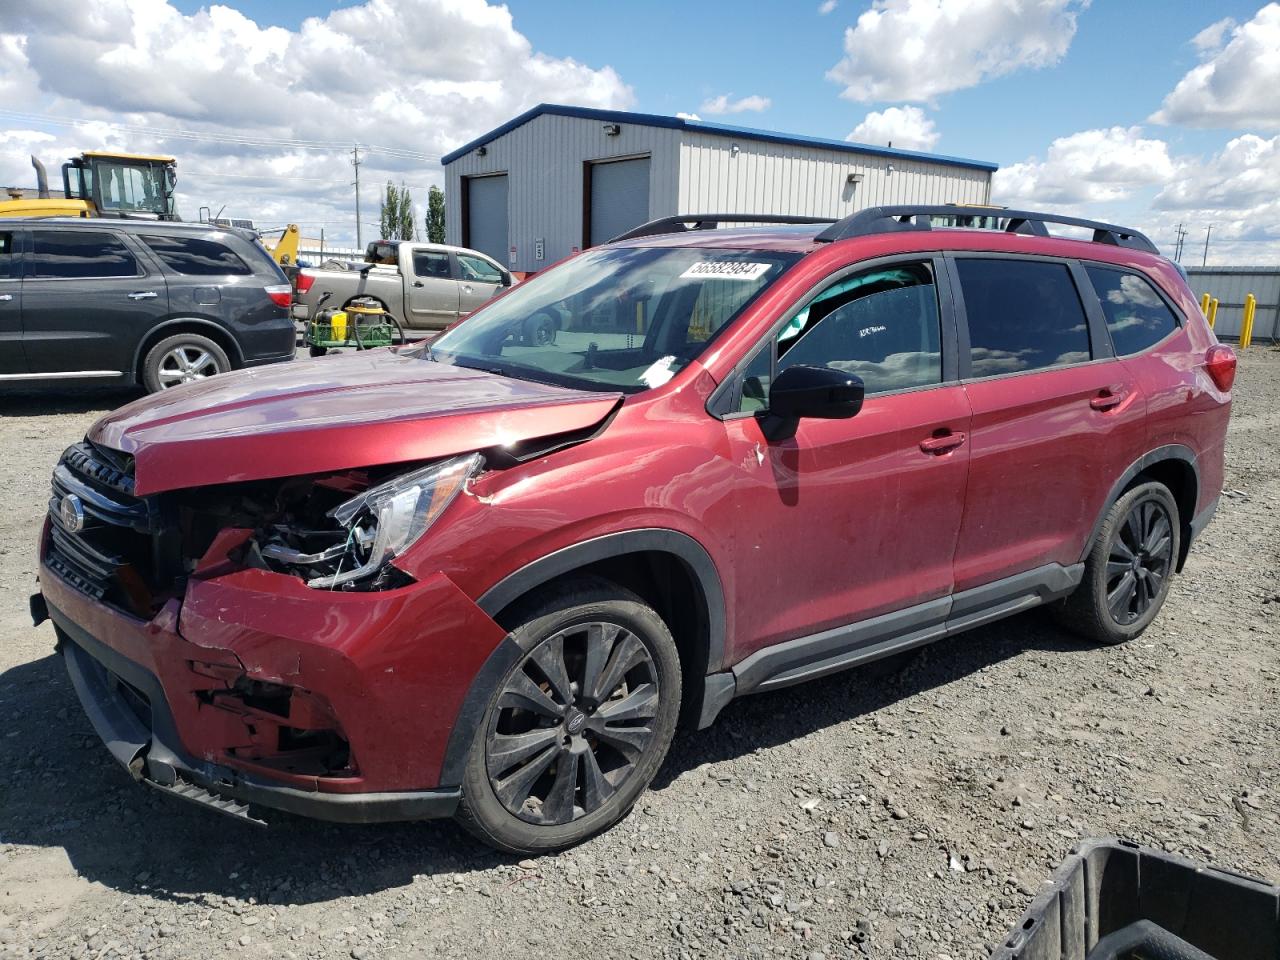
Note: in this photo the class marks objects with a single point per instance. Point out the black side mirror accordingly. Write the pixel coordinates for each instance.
(817, 392)
(506, 279)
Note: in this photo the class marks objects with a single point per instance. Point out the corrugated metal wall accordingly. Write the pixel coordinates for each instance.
(1230, 285)
(544, 160)
(690, 172)
(810, 181)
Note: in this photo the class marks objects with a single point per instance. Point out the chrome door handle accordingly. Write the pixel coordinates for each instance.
(143, 295)
(466, 288)
(6, 296)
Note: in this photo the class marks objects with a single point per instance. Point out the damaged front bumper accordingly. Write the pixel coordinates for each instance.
(126, 706)
(184, 701)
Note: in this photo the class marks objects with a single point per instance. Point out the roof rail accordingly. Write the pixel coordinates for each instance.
(912, 217)
(709, 221)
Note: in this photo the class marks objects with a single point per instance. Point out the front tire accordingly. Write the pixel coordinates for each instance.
(1128, 572)
(182, 358)
(578, 727)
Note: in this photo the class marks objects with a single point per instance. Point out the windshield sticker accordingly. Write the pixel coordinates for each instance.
(726, 270)
(659, 373)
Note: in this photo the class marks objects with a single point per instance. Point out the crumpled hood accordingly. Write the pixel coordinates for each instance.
(351, 410)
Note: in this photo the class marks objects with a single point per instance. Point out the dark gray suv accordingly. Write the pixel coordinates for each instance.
(134, 301)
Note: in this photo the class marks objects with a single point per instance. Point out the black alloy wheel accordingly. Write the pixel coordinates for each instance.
(572, 722)
(576, 727)
(1140, 558)
(1129, 567)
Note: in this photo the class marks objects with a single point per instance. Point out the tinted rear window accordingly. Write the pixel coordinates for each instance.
(79, 254)
(195, 257)
(1136, 316)
(1023, 315)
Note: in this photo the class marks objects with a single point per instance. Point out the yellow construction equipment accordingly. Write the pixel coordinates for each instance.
(100, 183)
(285, 251)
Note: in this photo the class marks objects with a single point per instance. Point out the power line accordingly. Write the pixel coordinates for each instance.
(237, 139)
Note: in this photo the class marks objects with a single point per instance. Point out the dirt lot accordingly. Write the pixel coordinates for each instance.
(907, 810)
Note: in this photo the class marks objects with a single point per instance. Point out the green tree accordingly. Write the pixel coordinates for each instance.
(435, 215)
(395, 218)
(404, 215)
(389, 212)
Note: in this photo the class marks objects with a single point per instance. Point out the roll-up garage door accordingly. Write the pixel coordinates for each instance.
(619, 197)
(487, 216)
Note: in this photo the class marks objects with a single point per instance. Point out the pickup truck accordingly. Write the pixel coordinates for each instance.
(425, 286)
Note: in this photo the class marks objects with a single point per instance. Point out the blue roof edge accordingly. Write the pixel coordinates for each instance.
(702, 126)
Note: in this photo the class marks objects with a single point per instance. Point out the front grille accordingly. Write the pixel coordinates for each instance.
(117, 555)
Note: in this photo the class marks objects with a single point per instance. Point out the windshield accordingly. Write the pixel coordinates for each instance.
(621, 318)
(125, 187)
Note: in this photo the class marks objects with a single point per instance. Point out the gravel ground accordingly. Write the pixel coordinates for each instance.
(910, 809)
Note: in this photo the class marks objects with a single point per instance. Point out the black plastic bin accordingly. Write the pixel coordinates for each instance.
(1115, 900)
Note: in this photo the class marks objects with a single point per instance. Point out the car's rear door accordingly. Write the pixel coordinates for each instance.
(13, 360)
(431, 292)
(478, 279)
(88, 298)
(1056, 418)
(850, 519)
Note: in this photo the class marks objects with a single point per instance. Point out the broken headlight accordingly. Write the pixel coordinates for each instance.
(376, 525)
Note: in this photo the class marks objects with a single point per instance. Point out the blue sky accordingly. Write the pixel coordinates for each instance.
(1060, 93)
(675, 54)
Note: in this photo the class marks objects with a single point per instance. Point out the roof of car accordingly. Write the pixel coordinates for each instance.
(98, 223)
(795, 239)
(803, 240)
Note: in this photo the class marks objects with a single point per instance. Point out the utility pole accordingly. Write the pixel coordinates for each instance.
(1182, 236)
(355, 162)
(1205, 259)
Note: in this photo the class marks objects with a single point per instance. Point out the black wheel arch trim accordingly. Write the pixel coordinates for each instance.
(545, 569)
(1172, 451)
(236, 356)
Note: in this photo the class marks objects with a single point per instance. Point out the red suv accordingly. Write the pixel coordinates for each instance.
(486, 578)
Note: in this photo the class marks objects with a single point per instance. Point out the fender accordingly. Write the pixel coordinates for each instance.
(1173, 451)
(234, 356)
(547, 568)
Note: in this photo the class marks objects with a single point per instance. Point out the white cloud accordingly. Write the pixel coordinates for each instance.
(1209, 40)
(826, 6)
(916, 50)
(681, 115)
(1235, 191)
(1090, 166)
(370, 73)
(1243, 174)
(723, 104)
(905, 127)
(1236, 84)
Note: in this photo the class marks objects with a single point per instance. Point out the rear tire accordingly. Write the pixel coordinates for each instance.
(1129, 569)
(578, 727)
(182, 358)
(317, 351)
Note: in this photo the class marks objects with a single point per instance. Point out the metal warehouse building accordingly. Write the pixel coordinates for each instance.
(1230, 285)
(558, 178)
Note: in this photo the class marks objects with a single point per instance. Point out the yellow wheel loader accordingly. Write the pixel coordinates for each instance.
(101, 184)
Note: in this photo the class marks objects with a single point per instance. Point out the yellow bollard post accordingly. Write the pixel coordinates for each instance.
(1213, 312)
(1246, 328)
(1204, 304)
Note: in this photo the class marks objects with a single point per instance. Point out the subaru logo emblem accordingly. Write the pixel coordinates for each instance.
(71, 513)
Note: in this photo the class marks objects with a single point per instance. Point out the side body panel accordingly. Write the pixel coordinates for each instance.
(13, 359)
(73, 324)
(1043, 460)
(432, 294)
(847, 520)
